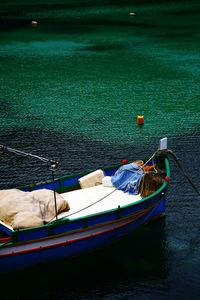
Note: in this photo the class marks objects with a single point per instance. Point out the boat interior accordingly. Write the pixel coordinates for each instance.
(94, 200)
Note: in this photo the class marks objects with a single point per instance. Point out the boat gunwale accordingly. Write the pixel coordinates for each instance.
(66, 177)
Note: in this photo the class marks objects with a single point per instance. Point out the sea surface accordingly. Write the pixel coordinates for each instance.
(71, 87)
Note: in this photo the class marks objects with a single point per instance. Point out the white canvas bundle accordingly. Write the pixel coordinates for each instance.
(26, 209)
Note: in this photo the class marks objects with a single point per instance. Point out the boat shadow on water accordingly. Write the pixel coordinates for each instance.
(140, 255)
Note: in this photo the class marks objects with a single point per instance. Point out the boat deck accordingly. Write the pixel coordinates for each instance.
(92, 200)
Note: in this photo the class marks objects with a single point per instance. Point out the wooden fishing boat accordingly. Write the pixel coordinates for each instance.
(98, 216)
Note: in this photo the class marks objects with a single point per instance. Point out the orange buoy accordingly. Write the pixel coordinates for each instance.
(140, 120)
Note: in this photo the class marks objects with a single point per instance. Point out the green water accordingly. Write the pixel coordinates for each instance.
(71, 89)
(90, 68)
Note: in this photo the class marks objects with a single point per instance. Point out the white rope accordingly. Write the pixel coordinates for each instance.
(134, 174)
(53, 163)
(18, 152)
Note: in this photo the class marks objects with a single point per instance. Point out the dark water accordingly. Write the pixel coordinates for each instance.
(71, 88)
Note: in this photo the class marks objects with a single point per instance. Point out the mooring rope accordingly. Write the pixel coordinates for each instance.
(22, 153)
(54, 164)
(182, 170)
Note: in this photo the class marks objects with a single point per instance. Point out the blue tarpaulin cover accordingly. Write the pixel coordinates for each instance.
(127, 178)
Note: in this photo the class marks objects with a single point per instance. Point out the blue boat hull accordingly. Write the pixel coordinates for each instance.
(80, 242)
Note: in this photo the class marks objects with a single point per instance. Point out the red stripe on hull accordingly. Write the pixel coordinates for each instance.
(124, 222)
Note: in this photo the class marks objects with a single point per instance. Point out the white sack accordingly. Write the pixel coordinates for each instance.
(26, 209)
